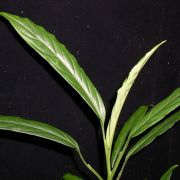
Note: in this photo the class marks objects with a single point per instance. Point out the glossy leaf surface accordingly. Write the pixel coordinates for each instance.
(123, 92)
(168, 173)
(36, 128)
(55, 53)
(154, 133)
(157, 113)
(124, 133)
(69, 176)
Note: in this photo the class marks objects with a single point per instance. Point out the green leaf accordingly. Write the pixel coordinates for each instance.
(154, 133)
(69, 176)
(157, 113)
(168, 173)
(55, 53)
(36, 128)
(123, 92)
(123, 135)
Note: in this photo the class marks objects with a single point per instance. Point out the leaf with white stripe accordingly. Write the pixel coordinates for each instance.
(39, 129)
(154, 133)
(55, 53)
(157, 113)
(123, 92)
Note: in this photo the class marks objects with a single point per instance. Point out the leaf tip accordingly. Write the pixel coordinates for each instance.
(164, 41)
(2, 13)
(161, 43)
(176, 165)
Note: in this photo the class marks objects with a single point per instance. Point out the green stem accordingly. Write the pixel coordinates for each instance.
(89, 166)
(119, 158)
(107, 154)
(122, 169)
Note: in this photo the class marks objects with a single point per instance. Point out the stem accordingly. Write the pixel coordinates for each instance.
(107, 154)
(122, 168)
(119, 158)
(89, 166)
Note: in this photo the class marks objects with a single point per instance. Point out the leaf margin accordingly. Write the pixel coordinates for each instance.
(19, 125)
(85, 88)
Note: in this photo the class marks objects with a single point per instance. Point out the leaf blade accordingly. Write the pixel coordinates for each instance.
(55, 53)
(123, 135)
(69, 176)
(157, 113)
(123, 92)
(36, 128)
(168, 173)
(154, 133)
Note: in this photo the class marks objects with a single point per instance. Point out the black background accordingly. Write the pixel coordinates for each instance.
(108, 38)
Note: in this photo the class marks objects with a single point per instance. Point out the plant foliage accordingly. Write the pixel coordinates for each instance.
(149, 122)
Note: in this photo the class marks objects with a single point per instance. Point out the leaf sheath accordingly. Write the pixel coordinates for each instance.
(124, 133)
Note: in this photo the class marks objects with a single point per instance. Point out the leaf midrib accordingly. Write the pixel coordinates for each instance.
(41, 129)
(150, 113)
(56, 55)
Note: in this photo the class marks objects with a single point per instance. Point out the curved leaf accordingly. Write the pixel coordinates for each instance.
(168, 173)
(69, 176)
(55, 53)
(123, 135)
(123, 92)
(157, 113)
(154, 133)
(36, 128)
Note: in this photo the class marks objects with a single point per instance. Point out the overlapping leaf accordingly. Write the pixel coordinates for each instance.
(36, 128)
(152, 134)
(157, 113)
(123, 135)
(168, 173)
(123, 92)
(60, 59)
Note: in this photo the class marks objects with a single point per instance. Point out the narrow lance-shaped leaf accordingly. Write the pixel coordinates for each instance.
(123, 92)
(123, 135)
(157, 113)
(154, 133)
(36, 128)
(55, 53)
(69, 176)
(168, 173)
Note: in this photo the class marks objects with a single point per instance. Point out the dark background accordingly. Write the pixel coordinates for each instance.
(108, 38)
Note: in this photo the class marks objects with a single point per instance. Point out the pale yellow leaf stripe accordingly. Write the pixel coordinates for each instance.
(122, 94)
